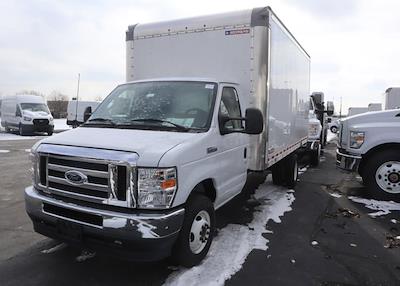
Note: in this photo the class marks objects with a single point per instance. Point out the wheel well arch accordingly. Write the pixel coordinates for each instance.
(375, 150)
(207, 188)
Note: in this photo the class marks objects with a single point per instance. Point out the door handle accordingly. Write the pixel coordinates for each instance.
(245, 152)
(211, 150)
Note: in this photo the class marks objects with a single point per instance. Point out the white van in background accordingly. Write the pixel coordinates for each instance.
(27, 114)
(75, 115)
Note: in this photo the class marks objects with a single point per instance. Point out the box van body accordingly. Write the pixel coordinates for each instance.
(375, 107)
(75, 115)
(207, 100)
(27, 114)
(356, 110)
(392, 98)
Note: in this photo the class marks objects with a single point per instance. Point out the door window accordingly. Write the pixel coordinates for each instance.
(230, 107)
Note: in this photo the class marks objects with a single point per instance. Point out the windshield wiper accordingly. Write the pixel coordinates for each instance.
(100, 119)
(178, 126)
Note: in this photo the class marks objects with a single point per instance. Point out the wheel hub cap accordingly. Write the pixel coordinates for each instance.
(388, 177)
(199, 232)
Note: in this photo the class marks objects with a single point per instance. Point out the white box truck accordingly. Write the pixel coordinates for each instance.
(208, 99)
(392, 98)
(356, 110)
(26, 114)
(76, 110)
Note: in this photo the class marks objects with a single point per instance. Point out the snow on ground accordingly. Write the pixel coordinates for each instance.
(234, 242)
(59, 126)
(330, 136)
(382, 207)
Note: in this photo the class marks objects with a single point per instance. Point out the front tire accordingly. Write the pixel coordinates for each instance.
(382, 175)
(333, 129)
(21, 130)
(196, 233)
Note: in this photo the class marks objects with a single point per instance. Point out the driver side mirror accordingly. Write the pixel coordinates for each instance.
(87, 113)
(253, 119)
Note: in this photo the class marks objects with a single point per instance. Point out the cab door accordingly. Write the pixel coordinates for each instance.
(232, 146)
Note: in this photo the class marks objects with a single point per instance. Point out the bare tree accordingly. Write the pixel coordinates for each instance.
(57, 96)
(98, 98)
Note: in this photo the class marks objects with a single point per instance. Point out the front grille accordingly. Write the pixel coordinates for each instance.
(40, 122)
(103, 182)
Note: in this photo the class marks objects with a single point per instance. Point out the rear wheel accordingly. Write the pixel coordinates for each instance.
(333, 129)
(291, 171)
(196, 233)
(382, 175)
(315, 156)
(278, 174)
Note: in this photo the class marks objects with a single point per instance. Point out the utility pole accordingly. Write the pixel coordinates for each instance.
(77, 100)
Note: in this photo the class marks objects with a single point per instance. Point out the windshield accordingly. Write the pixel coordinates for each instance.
(35, 107)
(171, 104)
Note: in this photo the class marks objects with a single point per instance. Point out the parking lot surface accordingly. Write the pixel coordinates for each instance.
(313, 235)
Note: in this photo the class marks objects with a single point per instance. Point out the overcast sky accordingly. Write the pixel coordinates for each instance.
(354, 44)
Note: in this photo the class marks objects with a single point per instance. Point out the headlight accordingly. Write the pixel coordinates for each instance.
(156, 187)
(35, 167)
(356, 139)
(313, 130)
(26, 118)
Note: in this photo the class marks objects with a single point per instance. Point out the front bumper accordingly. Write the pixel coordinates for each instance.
(347, 162)
(141, 236)
(30, 128)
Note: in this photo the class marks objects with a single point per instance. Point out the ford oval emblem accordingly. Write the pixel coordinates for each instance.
(75, 177)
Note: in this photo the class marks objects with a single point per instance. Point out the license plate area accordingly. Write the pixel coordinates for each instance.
(69, 230)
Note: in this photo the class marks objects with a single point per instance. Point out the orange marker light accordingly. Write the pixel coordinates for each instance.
(168, 184)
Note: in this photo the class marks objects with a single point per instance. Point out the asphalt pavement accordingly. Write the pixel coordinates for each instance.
(326, 239)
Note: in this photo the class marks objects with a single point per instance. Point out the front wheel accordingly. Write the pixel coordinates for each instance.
(333, 129)
(196, 233)
(382, 175)
(21, 130)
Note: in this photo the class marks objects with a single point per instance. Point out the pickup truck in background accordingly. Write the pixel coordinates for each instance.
(369, 144)
(208, 100)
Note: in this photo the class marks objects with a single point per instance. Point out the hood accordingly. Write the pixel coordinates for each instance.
(372, 117)
(150, 145)
(36, 114)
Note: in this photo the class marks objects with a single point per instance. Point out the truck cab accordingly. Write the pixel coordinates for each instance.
(369, 144)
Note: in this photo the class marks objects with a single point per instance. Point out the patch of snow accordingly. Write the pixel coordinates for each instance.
(28, 150)
(234, 242)
(353, 245)
(293, 261)
(314, 243)
(382, 207)
(393, 220)
(335, 195)
(4, 151)
(85, 255)
(330, 136)
(61, 124)
(302, 170)
(54, 248)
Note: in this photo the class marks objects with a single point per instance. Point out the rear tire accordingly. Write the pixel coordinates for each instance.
(196, 233)
(315, 156)
(278, 178)
(382, 175)
(333, 129)
(291, 171)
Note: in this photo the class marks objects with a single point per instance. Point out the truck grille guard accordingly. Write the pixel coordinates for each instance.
(87, 174)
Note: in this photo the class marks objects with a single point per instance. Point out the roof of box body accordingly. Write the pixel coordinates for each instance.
(251, 17)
